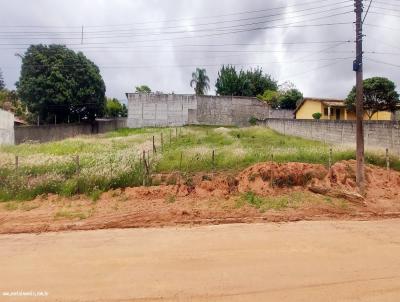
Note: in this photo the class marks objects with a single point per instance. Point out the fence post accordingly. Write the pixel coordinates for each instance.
(16, 162)
(213, 161)
(154, 145)
(330, 158)
(180, 162)
(162, 142)
(387, 160)
(176, 134)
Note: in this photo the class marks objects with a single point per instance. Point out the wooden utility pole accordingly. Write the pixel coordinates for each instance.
(358, 68)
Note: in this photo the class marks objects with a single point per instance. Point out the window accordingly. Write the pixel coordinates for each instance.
(326, 111)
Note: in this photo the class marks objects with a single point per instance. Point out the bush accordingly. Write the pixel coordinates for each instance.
(317, 115)
(253, 121)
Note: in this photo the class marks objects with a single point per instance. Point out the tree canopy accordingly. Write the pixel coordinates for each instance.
(243, 83)
(201, 81)
(287, 97)
(143, 89)
(2, 84)
(114, 108)
(57, 82)
(379, 95)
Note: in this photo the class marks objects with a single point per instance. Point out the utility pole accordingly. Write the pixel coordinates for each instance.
(358, 68)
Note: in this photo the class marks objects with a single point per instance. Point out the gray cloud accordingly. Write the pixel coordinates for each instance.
(164, 64)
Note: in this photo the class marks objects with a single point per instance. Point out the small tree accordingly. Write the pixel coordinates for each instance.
(317, 115)
(379, 95)
(143, 89)
(271, 97)
(289, 99)
(114, 108)
(286, 98)
(201, 81)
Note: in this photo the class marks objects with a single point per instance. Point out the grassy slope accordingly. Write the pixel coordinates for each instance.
(112, 160)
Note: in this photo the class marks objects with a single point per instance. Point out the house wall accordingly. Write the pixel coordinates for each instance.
(158, 110)
(377, 134)
(6, 128)
(379, 116)
(308, 108)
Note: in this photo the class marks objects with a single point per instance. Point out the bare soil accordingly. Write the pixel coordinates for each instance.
(213, 199)
(332, 261)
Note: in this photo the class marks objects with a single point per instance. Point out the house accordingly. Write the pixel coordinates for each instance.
(333, 109)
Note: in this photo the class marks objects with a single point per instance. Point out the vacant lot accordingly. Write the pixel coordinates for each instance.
(198, 175)
(305, 261)
(91, 165)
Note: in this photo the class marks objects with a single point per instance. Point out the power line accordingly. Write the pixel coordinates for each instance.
(317, 68)
(385, 14)
(78, 33)
(188, 65)
(170, 20)
(366, 14)
(200, 36)
(221, 29)
(383, 62)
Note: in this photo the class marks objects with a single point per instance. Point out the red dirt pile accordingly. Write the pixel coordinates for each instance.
(210, 199)
(272, 178)
(381, 185)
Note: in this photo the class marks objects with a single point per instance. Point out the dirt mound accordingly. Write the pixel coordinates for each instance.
(271, 178)
(381, 184)
(218, 198)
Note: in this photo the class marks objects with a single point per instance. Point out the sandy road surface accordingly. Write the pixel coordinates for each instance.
(305, 261)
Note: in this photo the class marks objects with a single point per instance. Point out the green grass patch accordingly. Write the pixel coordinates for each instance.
(277, 203)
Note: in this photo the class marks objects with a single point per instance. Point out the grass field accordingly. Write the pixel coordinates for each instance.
(114, 160)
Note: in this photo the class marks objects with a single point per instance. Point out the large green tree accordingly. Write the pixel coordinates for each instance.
(57, 82)
(200, 81)
(379, 95)
(2, 84)
(245, 83)
(228, 81)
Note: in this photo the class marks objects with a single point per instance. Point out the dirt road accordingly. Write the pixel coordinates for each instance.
(305, 261)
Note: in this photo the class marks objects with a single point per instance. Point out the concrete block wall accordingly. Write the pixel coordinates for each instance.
(156, 110)
(376, 134)
(6, 128)
(48, 133)
(178, 110)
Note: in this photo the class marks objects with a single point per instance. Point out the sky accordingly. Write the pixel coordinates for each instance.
(161, 42)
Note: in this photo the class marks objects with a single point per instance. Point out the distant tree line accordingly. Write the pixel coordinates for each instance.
(57, 83)
(250, 83)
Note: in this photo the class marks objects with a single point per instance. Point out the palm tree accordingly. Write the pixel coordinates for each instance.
(201, 81)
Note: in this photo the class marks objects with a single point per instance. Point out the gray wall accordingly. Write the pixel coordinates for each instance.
(155, 110)
(47, 133)
(377, 134)
(178, 110)
(6, 128)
